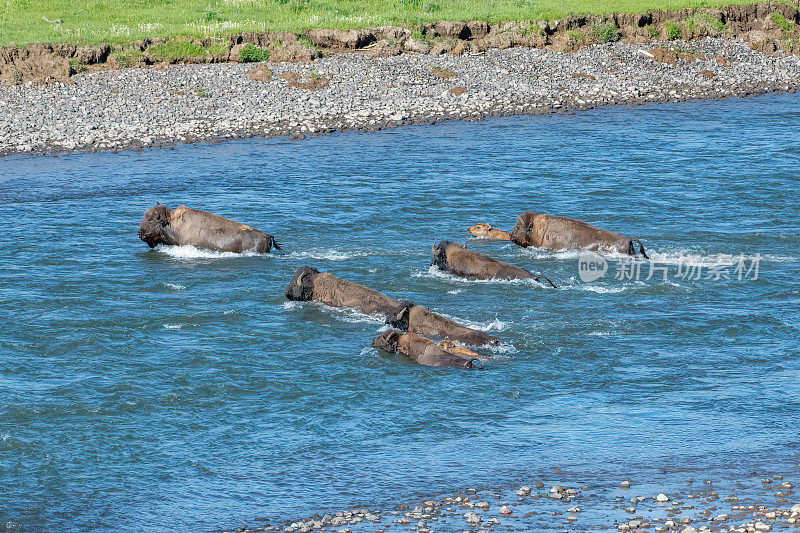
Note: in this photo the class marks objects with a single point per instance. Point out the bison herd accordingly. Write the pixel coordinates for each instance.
(412, 326)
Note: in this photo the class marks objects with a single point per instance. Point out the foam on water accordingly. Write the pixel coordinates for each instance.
(435, 272)
(493, 325)
(345, 314)
(326, 255)
(189, 252)
(174, 286)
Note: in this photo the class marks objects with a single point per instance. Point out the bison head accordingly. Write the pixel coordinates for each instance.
(440, 254)
(301, 288)
(387, 341)
(479, 230)
(398, 317)
(154, 228)
(522, 234)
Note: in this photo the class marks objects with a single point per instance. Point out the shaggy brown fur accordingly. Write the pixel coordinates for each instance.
(457, 260)
(485, 231)
(420, 320)
(310, 284)
(560, 233)
(421, 350)
(182, 226)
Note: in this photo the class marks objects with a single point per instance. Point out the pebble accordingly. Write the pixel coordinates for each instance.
(146, 107)
(523, 491)
(662, 498)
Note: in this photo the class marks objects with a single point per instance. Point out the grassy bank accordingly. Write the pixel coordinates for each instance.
(118, 21)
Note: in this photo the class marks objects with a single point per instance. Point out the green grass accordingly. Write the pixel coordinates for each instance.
(175, 50)
(608, 32)
(781, 21)
(118, 21)
(75, 66)
(575, 38)
(302, 40)
(673, 30)
(127, 58)
(251, 53)
(712, 22)
(652, 31)
(691, 26)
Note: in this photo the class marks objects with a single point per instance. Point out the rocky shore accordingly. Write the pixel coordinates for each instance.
(758, 504)
(157, 107)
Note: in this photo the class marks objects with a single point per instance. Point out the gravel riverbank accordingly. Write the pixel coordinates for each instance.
(757, 504)
(151, 107)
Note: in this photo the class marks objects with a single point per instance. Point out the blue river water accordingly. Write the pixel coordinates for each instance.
(155, 390)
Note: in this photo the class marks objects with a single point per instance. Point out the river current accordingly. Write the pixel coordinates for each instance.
(176, 388)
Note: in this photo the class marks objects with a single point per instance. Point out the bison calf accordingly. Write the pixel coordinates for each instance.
(487, 232)
(421, 350)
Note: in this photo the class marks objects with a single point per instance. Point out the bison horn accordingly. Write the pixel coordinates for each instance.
(641, 248)
(300, 279)
(537, 278)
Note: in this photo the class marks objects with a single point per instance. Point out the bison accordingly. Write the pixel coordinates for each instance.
(310, 284)
(457, 260)
(485, 231)
(560, 233)
(421, 320)
(421, 350)
(162, 225)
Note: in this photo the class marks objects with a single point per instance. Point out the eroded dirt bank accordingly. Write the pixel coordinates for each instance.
(768, 27)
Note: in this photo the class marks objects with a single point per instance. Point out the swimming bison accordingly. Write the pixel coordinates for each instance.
(457, 260)
(162, 225)
(418, 319)
(560, 233)
(423, 351)
(310, 284)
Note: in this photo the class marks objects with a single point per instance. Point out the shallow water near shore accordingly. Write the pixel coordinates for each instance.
(162, 389)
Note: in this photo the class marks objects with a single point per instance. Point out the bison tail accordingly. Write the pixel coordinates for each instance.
(276, 245)
(537, 278)
(641, 248)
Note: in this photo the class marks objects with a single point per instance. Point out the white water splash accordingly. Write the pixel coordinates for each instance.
(345, 314)
(545, 253)
(328, 255)
(493, 325)
(599, 289)
(174, 286)
(435, 272)
(189, 252)
(173, 326)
